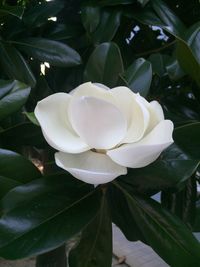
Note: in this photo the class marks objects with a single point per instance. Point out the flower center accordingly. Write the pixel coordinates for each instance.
(101, 151)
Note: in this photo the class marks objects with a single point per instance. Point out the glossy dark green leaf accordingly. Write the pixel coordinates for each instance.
(168, 21)
(49, 211)
(5, 87)
(165, 233)
(183, 202)
(107, 27)
(171, 169)
(16, 167)
(39, 13)
(192, 38)
(90, 17)
(188, 61)
(158, 63)
(56, 53)
(55, 257)
(121, 215)
(31, 117)
(143, 2)
(174, 69)
(138, 76)
(196, 226)
(188, 52)
(13, 27)
(14, 100)
(160, 15)
(6, 184)
(145, 16)
(104, 65)
(92, 250)
(62, 31)
(187, 138)
(114, 2)
(15, 65)
(16, 11)
(171, 22)
(14, 136)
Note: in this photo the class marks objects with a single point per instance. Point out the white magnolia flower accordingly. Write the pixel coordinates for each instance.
(99, 132)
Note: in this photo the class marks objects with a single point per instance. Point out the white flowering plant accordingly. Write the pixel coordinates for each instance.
(99, 131)
(99, 116)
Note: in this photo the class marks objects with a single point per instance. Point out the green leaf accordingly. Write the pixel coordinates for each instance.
(14, 100)
(38, 14)
(182, 203)
(50, 211)
(14, 136)
(168, 172)
(104, 65)
(187, 61)
(5, 87)
(188, 52)
(196, 227)
(187, 40)
(187, 138)
(121, 215)
(173, 68)
(171, 22)
(31, 117)
(54, 52)
(107, 27)
(165, 233)
(114, 2)
(159, 15)
(90, 17)
(15, 65)
(138, 76)
(16, 11)
(158, 63)
(55, 257)
(6, 184)
(143, 2)
(192, 38)
(16, 167)
(92, 250)
(62, 31)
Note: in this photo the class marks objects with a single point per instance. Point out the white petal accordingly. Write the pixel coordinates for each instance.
(155, 111)
(90, 167)
(102, 86)
(135, 111)
(147, 150)
(95, 90)
(99, 123)
(51, 113)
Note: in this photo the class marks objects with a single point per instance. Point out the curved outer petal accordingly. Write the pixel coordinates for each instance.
(51, 113)
(99, 123)
(135, 111)
(101, 85)
(147, 150)
(94, 90)
(155, 111)
(90, 167)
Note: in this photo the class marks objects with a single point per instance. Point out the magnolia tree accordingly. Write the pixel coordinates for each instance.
(99, 111)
